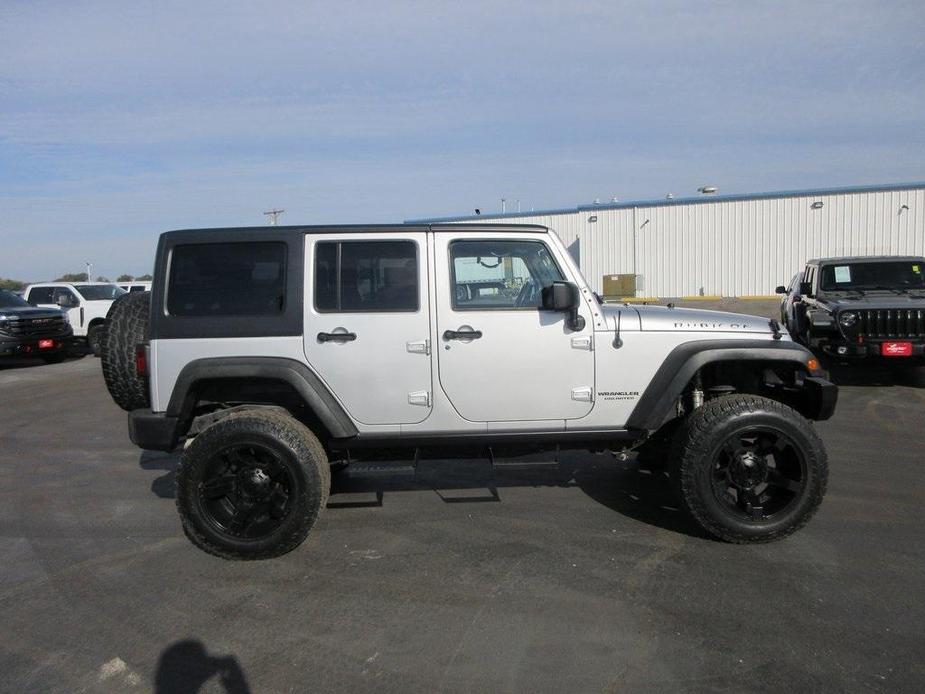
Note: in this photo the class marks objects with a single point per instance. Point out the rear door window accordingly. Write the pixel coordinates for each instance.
(40, 295)
(366, 276)
(227, 279)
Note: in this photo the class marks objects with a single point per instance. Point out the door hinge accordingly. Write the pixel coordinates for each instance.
(419, 397)
(583, 394)
(583, 342)
(418, 347)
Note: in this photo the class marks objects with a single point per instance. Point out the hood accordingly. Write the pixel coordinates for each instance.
(879, 301)
(671, 319)
(31, 312)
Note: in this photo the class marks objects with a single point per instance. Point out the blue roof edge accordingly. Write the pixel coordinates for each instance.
(699, 200)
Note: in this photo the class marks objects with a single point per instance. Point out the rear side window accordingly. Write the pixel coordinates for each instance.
(227, 279)
(366, 276)
(40, 295)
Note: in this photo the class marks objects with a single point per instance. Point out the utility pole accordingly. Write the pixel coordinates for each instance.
(503, 203)
(273, 215)
(89, 267)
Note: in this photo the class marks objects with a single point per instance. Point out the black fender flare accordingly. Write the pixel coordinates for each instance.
(303, 380)
(655, 406)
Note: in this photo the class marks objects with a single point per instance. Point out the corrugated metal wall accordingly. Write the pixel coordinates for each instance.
(733, 247)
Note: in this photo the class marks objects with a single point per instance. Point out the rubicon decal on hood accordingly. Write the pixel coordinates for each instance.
(693, 325)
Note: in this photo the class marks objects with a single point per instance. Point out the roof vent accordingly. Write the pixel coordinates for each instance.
(707, 190)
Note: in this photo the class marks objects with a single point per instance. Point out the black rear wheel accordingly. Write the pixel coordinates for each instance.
(750, 469)
(252, 485)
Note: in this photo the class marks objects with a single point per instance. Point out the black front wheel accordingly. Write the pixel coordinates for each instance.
(252, 485)
(750, 469)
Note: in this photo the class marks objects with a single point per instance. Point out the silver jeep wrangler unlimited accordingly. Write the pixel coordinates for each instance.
(269, 354)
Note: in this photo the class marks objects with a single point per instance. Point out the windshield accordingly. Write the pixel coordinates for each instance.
(9, 300)
(899, 275)
(99, 292)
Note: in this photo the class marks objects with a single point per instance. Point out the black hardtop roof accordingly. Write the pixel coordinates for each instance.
(865, 259)
(277, 231)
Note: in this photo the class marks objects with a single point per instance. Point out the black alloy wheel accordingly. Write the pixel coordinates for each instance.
(252, 485)
(749, 469)
(758, 473)
(246, 491)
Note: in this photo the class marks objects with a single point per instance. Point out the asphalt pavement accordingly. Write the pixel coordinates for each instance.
(533, 576)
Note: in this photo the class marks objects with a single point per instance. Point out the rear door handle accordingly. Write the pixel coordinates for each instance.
(336, 337)
(462, 334)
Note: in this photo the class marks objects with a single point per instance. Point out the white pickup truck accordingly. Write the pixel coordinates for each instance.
(86, 304)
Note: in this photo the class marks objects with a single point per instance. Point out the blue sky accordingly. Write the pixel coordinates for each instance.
(121, 120)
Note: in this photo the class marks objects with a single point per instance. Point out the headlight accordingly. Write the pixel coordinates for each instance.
(847, 319)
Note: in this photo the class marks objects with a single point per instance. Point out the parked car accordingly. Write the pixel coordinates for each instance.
(268, 354)
(790, 298)
(27, 330)
(860, 307)
(86, 304)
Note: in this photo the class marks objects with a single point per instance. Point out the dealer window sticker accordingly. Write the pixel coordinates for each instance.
(842, 274)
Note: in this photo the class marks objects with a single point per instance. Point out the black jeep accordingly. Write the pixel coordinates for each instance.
(26, 330)
(860, 307)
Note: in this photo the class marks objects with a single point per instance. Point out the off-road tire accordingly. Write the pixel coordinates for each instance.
(95, 336)
(298, 449)
(697, 444)
(127, 325)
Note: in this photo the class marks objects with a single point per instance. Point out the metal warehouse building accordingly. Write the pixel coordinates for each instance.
(730, 245)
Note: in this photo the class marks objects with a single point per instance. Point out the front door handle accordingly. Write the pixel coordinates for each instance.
(336, 337)
(462, 334)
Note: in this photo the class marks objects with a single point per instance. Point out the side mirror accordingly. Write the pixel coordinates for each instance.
(806, 289)
(564, 296)
(781, 289)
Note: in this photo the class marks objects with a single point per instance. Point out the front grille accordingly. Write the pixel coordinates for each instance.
(892, 323)
(35, 327)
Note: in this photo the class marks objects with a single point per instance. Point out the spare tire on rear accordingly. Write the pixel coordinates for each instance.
(126, 327)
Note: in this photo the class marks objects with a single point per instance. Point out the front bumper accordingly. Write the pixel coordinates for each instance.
(154, 431)
(870, 349)
(29, 347)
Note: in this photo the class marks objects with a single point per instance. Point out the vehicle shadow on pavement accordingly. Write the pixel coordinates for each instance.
(185, 667)
(10, 363)
(165, 485)
(640, 492)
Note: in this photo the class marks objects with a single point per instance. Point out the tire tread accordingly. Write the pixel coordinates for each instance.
(694, 443)
(310, 452)
(126, 326)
